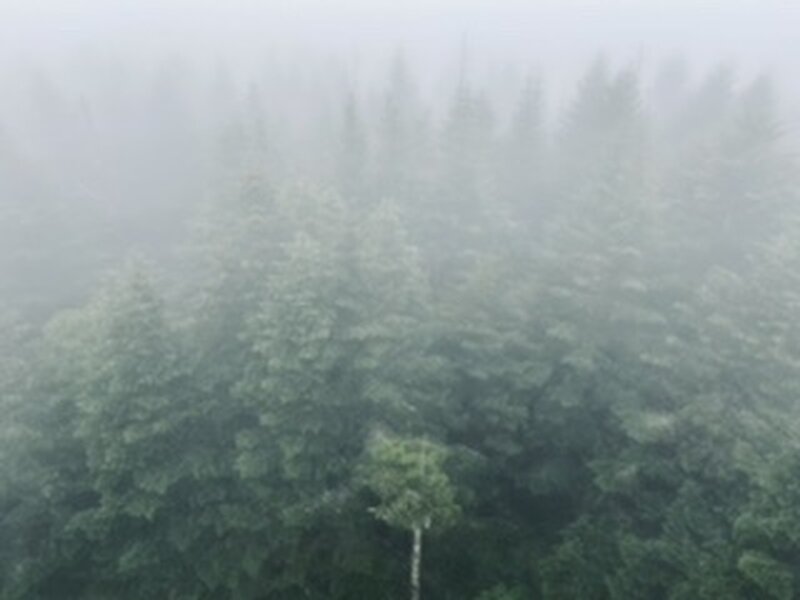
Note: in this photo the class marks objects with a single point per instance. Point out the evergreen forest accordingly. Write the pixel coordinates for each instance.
(319, 334)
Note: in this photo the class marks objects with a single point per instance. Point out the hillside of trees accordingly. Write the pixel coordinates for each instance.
(307, 337)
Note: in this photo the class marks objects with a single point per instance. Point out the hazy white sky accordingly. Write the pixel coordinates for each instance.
(751, 33)
(723, 21)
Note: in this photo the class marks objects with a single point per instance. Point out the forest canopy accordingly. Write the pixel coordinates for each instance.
(258, 333)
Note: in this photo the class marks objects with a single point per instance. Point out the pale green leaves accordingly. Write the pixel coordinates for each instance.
(408, 477)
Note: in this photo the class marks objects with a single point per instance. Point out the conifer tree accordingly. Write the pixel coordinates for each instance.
(352, 156)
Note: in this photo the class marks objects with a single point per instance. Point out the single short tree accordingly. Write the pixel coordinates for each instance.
(415, 492)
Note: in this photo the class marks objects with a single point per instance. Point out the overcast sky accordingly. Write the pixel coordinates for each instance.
(562, 35)
(765, 29)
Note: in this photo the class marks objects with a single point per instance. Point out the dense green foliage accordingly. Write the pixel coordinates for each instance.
(409, 479)
(584, 329)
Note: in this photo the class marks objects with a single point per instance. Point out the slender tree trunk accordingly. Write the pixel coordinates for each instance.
(416, 559)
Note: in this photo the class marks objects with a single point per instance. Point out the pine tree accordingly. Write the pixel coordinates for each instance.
(523, 159)
(401, 146)
(352, 156)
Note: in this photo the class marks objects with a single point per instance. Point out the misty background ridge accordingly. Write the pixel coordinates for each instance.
(132, 150)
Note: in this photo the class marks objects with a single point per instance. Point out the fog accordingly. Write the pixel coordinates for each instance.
(366, 300)
(755, 34)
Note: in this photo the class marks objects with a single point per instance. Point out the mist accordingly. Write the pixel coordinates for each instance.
(451, 300)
